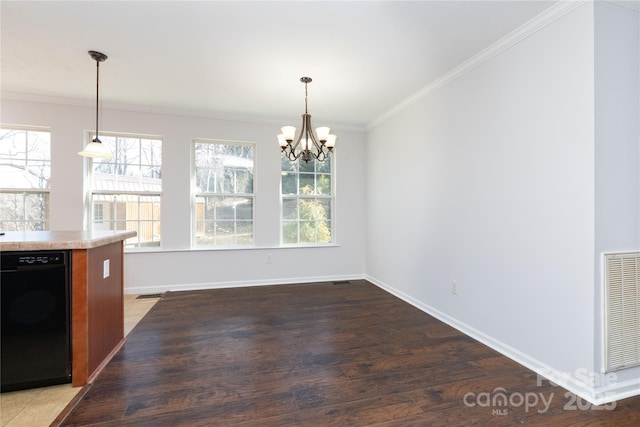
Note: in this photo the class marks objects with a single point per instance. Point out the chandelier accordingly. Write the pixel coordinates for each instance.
(307, 146)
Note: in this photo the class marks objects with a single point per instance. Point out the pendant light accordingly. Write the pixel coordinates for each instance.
(307, 146)
(95, 148)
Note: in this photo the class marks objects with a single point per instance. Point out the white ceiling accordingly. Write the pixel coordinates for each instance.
(240, 58)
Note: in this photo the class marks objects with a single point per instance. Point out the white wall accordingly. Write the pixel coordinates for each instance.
(617, 130)
(492, 185)
(175, 266)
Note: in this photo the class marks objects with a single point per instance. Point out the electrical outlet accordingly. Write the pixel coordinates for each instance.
(105, 269)
(269, 259)
(454, 287)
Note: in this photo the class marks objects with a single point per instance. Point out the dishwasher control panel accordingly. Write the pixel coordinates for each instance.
(11, 260)
(41, 259)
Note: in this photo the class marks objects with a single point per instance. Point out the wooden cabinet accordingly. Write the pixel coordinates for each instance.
(97, 326)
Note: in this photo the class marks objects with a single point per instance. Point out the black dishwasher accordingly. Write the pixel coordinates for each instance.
(35, 328)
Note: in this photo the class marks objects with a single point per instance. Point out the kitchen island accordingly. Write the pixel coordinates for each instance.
(96, 291)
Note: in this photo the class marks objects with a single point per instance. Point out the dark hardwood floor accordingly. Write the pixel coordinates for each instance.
(317, 355)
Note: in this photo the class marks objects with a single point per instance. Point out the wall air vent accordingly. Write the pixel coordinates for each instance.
(622, 311)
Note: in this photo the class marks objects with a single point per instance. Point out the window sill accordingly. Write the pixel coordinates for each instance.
(226, 248)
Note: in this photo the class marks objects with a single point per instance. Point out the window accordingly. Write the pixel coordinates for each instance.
(126, 190)
(223, 193)
(307, 201)
(25, 174)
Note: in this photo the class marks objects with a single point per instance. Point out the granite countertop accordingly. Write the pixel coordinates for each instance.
(45, 240)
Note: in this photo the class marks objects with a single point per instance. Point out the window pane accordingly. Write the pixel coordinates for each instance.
(324, 184)
(308, 232)
(140, 213)
(39, 173)
(225, 209)
(324, 232)
(324, 167)
(151, 152)
(307, 183)
(307, 166)
(130, 166)
(25, 159)
(224, 193)
(290, 208)
(244, 232)
(323, 207)
(210, 208)
(244, 208)
(244, 181)
(307, 209)
(290, 232)
(24, 211)
(225, 231)
(150, 171)
(36, 207)
(288, 165)
(289, 183)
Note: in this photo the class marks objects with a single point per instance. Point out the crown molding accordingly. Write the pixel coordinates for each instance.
(529, 28)
(633, 5)
(179, 112)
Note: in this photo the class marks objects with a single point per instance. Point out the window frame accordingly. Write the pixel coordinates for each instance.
(330, 197)
(195, 223)
(132, 244)
(25, 192)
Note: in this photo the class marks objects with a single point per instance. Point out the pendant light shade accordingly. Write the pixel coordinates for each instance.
(95, 148)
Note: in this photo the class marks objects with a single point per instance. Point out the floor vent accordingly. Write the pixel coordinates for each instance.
(148, 296)
(341, 282)
(622, 311)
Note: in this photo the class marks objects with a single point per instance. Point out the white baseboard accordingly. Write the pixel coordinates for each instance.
(174, 287)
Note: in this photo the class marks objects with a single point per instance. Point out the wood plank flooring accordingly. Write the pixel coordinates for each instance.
(319, 354)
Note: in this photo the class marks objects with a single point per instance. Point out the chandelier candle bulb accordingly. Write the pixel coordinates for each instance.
(289, 132)
(282, 141)
(331, 142)
(323, 133)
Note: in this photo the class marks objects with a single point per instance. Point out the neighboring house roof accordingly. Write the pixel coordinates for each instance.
(129, 184)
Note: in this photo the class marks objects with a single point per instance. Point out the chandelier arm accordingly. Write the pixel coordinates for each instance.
(295, 145)
(309, 131)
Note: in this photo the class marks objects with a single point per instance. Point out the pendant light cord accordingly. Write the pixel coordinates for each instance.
(97, 139)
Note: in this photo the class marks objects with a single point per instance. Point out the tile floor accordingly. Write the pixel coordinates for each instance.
(38, 407)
